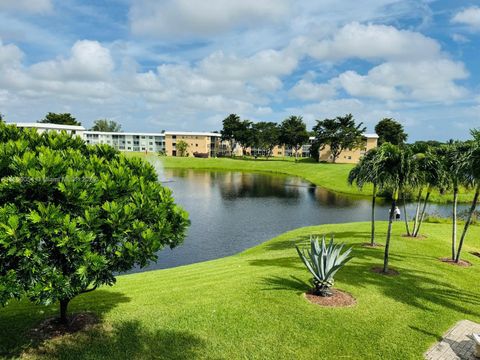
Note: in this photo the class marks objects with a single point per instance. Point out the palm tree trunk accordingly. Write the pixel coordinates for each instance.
(467, 223)
(389, 232)
(417, 211)
(407, 226)
(417, 230)
(454, 225)
(374, 196)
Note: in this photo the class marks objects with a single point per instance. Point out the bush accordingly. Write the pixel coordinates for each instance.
(72, 216)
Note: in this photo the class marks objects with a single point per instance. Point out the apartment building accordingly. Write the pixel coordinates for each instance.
(200, 144)
(351, 156)
(42, 127)
(127, 141)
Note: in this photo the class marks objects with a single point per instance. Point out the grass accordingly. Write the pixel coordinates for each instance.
(329, 176)
(251, 305)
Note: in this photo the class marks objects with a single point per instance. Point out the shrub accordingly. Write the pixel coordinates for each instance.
(323, 261)
(73, 216)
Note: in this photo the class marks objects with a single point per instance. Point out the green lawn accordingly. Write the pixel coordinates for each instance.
(251, 305)
(329, 176)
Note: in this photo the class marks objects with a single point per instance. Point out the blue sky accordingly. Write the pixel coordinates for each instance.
(185, 64)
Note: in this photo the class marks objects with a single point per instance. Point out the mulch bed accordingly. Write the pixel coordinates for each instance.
(369, 245)
(390, 272)
(461, 263)
(337, 299)
(418, 237)
(475, 253)
(52, 327)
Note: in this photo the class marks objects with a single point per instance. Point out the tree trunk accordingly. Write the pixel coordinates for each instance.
(63, 310)
(374, 196)
(417, 211)
(467, 223)
(296, 153)
(407, 226)
(389, 232)
(454, 225)
(417, 230)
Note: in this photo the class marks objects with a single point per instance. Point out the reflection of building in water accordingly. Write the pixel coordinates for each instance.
(330, 198)
(242, 185)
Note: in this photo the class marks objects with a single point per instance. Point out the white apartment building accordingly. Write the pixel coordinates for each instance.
(42, 127)
(127, 141)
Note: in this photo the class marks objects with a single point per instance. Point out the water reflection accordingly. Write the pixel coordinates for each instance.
(232, 211)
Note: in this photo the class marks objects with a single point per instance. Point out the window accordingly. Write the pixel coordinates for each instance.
(174, 136)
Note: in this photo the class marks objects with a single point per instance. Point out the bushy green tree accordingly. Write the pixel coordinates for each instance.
(73, 216)
(339, 134)
(182, 147)
(293, 133)
(106, 125)
(231, 126)
(61, 119)
(267, 136)
(389, 130)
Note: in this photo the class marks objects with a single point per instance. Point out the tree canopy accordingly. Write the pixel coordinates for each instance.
(389, 130)
(267, 136)
(293, 133)
(61, 119)
(339, 134)
(72, 216)
(106, 125)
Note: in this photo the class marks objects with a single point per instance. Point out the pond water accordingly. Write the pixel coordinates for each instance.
(233, 211)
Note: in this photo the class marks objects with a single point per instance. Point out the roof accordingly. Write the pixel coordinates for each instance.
(372, 136)
(48, 126)
(123, 133)
(191, 133)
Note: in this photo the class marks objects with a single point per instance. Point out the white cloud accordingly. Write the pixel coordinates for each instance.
(186, 17)
(469, 16)
(33, 6)
(422, 81)
(89, 60)
(371, 42)
(459, 38)
(307, 90)
(10, 55)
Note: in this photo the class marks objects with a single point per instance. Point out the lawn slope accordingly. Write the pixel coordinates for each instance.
(329, 176)
(251, 305)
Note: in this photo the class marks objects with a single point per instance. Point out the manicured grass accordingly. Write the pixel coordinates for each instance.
(251, 305)
(330, 176)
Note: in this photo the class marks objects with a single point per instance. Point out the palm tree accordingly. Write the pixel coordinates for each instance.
(391, 171)
(365, 173)
(433, 176)
(409, 179)
(455, 155)
(473, 173)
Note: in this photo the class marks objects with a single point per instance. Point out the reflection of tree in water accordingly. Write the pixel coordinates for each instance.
(240, 185)
(326, 197)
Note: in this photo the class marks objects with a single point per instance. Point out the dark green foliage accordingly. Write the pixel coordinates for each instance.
(72, 216)
(266, 136)
(61, 119)
(389, 130)
(106, 125)
(293, 133)
(339, 134)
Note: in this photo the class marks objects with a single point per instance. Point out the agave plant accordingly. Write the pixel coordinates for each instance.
(323, 261)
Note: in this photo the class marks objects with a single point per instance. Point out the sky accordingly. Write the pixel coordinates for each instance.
(155, 65)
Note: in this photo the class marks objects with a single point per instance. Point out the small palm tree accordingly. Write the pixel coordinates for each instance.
(473, 176)
(363, 173)
(455, 157)
(391, 170)
(433, 176)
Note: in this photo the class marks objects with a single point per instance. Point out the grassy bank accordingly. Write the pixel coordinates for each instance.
(251, 305)
(330, 176)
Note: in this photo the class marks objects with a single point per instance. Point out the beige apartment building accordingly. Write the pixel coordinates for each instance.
(351, 156)
(200, 144)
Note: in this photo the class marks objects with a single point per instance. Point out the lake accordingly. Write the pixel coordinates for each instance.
(233, 211)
